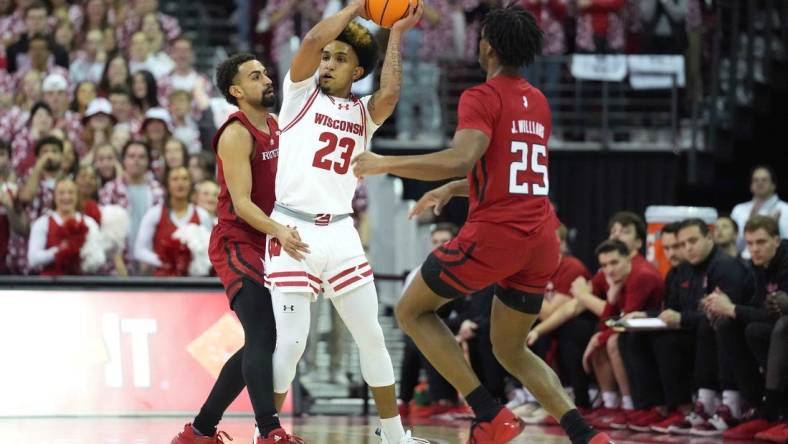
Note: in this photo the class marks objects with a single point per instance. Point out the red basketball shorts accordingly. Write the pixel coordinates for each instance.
(236, 255)
(485, 254)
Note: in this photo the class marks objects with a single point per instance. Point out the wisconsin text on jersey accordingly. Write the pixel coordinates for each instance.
(341, 125)
(527, 127)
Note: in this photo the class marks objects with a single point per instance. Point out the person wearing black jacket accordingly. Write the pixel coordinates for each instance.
(693, 347)
(742, 325)
(670, 397)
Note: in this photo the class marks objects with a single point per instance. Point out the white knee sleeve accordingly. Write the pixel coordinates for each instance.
(359, 311)
(291, 311)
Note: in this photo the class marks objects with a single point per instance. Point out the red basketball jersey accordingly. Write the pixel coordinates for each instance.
(264, 162)
(509, 184)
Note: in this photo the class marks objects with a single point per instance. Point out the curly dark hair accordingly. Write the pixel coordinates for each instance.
(627, 218)
(226, 71)
(514, 35)
(364, 44)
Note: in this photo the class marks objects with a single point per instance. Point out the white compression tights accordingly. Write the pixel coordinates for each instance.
(359, 311)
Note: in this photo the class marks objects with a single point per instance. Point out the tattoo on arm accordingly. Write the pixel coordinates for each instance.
(390, 76)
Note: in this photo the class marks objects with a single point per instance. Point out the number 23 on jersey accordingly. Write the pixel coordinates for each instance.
(533, 160)
(345, 145)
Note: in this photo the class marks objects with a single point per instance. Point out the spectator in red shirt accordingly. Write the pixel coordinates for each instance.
(628, 289)
(630, 229)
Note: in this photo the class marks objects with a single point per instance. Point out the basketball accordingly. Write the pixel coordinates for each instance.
(386, 12)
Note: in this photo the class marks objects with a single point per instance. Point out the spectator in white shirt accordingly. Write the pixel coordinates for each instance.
(184, 127)
(765, 202)
(158, 43)
(185, 78)
(88, 65)
(141, 58)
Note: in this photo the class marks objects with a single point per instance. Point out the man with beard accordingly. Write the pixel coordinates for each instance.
(247, 148)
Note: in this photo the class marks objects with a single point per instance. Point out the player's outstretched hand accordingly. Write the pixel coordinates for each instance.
(415, 11)
(361, 8)
(291, 242)
(368, 164)
(437, 199)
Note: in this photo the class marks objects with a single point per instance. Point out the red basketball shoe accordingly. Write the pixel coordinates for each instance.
(502, 429)
(187, 436)
(279, 436)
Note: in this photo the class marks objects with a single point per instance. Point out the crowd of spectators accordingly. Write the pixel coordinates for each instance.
(450, 32)
(100, 97)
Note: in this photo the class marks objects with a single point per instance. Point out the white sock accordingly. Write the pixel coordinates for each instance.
(626, 403)
(595, 400)
(611, 400)
(732, 399)
(709, 400)
(392, 428)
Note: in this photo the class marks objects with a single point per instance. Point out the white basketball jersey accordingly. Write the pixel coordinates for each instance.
(320, 137)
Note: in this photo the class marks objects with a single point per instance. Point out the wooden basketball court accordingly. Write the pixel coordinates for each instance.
(316, 430)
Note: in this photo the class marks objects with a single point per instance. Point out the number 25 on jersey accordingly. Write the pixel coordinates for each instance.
(534, 159)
